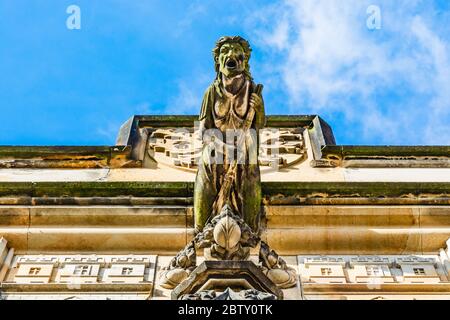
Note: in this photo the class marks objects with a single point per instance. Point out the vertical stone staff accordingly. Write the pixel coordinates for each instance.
(224, 194)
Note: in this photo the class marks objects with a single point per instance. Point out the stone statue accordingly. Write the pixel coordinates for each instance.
(231, 103)
(227, 194)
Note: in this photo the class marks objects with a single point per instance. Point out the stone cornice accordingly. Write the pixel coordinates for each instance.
(66, 157)
(275, 193)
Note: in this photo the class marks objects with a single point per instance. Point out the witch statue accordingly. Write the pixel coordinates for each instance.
(232, 113)
(227, 194)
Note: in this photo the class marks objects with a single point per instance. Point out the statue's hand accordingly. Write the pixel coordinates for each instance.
(256, 102)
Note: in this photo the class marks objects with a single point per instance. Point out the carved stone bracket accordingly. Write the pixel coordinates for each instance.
(275, 268)
(226, 238)
(220, 276)
(229, 294)
(179, 267)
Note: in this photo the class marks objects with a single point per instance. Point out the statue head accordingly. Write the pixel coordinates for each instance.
(231, 56)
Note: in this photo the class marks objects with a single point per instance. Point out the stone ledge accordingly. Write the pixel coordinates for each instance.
(93, 201)
(381, 190)
(386, 156)
(97, 239)
(96, 189)
(66, 157)
(288, 216)
(59, 288)
(367, 216)
(180, 193)
(286, 241)
(384, 152)
(126, 216)
(347, 240)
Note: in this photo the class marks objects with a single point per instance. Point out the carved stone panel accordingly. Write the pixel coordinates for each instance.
(181, 147)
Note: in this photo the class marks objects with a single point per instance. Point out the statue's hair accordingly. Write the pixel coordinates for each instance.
(235, 39)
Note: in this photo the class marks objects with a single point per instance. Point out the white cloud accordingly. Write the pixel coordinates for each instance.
(331, 63)
(193, 11)
(189, 95)
(439, 105)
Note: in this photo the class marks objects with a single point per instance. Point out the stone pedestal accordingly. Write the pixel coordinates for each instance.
(227, 280)
(227, 272)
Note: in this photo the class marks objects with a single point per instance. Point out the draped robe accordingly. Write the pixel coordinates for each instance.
(223, 110)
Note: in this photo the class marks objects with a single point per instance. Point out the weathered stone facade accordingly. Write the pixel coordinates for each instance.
(355, 222)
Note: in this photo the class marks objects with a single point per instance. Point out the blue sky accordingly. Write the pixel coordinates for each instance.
(76, 87)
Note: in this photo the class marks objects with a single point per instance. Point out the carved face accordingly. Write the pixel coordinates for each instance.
(231, 59)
